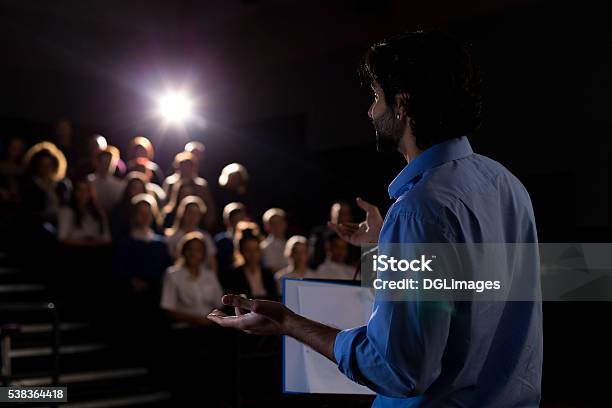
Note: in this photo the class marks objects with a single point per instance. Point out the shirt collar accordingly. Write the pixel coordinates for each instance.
(434, 156)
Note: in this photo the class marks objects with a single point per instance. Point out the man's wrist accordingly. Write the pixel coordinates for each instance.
(291, 323)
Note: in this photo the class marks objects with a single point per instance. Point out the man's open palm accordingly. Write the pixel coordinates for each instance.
(252, 316)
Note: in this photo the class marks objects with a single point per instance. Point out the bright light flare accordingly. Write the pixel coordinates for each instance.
(175, 107)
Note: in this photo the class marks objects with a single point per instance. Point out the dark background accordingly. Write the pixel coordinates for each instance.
(279, 92)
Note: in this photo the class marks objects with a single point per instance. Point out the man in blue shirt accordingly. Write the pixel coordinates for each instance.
(470, 354)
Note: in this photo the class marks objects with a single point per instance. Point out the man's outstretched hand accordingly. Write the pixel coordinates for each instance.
(253, 316)
(365, 232)
(273, 318)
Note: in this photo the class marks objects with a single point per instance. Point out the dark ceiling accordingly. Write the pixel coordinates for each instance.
(94, 60)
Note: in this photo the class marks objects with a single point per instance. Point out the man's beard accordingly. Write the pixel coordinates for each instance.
(389, 132)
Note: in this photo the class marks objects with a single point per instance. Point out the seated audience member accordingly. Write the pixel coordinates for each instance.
(273, 247)
(142, 256)
(249, 277)
(84, 253)
(198, 149)
(141, 147)
(140, 165)
(233, 182)
(189, 217)
(45, 172)
(233, 213)
(340, 212)
(82, 223)
(12, 168)
(186, 171)
(107, 187)
(86, 164)
(135, 183)
(296, 252)
(180, 190)
(335, 266)
(190, 289)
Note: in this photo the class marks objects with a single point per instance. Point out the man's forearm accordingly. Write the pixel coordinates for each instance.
(317, 336)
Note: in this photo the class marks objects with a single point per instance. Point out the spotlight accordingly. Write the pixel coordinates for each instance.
(175, 107)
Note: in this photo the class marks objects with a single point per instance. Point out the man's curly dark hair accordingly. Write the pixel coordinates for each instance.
(438, 75)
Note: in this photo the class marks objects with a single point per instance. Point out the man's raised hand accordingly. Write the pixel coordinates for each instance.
(365, 232)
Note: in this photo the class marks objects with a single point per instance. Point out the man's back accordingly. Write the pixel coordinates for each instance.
(473, 354)
(493, 355)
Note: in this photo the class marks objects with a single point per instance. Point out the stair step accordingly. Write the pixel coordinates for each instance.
(99, 359)
(7, 270)
(83, 376)
(21, 287)
(48, 327)
(41, 334)
(46, 351)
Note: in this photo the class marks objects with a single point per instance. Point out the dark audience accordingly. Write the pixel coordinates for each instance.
(41, 194)
(141, 148)
(233, 213)
(249, 277)
(190, 289)
(144, 243)
(83, 222)
(186, 171)
(142, 255)
(189, 216)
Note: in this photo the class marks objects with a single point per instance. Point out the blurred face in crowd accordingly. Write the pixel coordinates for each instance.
(341, 213)
(82, 193)
(187, 169)
(135, 187)
(143, 216)
(139, 151)
(235, 182)
(251, 252)
(192, 216)
(46, 167)
(197, 149)
(235, 217)
(15, 149)
(194, 253)
(103, 163)
(338, 250)
(277, 226)
(299, 256)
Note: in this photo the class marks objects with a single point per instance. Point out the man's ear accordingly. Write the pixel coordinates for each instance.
(400, 104)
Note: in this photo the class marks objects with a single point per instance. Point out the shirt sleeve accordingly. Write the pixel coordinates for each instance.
(169, 293)
(399, 352)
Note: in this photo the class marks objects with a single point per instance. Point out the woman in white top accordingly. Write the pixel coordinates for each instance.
(189, 216)
(191, 290)
(296, 252)
(82, 223)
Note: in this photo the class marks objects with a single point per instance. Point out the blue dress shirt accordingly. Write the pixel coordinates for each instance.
(470, 354)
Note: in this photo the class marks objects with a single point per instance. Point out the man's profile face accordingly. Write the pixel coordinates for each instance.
(389, 129)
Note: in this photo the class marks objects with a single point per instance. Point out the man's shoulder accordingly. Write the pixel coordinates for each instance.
(454, 184)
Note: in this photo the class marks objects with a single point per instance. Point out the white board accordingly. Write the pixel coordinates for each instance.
(343, 306)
